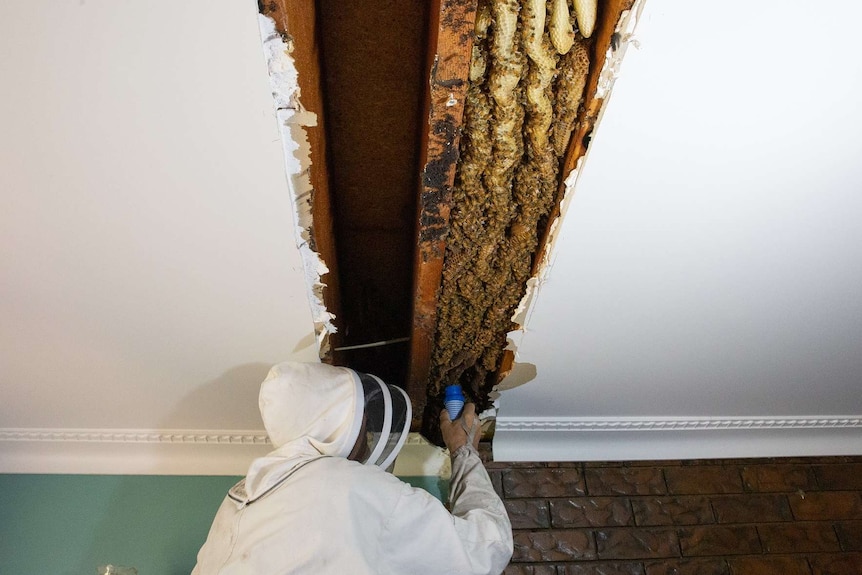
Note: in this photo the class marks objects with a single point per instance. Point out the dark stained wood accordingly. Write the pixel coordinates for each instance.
(450, 45)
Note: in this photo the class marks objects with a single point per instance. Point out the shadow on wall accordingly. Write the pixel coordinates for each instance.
(228, 402)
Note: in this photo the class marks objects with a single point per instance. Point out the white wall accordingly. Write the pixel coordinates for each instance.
(148, 273)
(710, 263)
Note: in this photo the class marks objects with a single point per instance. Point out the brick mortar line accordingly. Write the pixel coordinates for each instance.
(675, 531)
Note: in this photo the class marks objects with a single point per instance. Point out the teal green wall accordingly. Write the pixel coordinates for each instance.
(437, 487)
(70, 524)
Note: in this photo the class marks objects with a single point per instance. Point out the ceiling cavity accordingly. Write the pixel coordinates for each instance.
(446, 132)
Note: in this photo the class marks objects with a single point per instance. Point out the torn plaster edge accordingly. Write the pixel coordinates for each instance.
(610, 71)
(293, 119)
(624, 36)
(624, 33)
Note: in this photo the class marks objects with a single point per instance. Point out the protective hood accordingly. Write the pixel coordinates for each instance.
(313, 410)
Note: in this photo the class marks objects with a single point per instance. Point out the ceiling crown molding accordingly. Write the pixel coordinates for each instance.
(130, 451)
(221, 437)
(646, 438)
(169, 452)
(564, 424)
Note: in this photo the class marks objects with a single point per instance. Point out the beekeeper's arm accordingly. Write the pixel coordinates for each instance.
(476, 537)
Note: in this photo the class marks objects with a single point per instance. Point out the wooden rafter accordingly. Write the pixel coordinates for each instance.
(450, 43)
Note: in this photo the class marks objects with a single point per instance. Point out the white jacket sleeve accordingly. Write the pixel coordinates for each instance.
(423, 538)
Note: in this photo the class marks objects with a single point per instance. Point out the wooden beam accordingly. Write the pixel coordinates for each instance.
(295, 20)
(451, 25)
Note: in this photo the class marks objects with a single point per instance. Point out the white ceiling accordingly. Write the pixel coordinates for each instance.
(710, 263)
(148, 275)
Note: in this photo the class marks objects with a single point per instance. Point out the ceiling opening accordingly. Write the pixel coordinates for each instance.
(445, 133)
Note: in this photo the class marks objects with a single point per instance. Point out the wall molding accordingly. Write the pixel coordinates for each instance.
(211, 437)
(701, 437)
(168, 452)
(564, 424)
(229, 452)
(130, 451)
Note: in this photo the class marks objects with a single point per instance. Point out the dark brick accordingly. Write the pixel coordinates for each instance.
(625, 481)
(798, 537)
(830, 459)
(850, 535)
(688, 567)
(602, 568)
(768, 566)
(684, 510)
(591, 512)
(653, 463)
(778, 478)
(552, 545)
(703, 479)
(751, 508)
(775, 516)
(521, 569)
(636, 543)
(543, 482)
(836, 564)
(528, 513)
(497, 481)
(717, 540)
(826, 505)
(841, 476)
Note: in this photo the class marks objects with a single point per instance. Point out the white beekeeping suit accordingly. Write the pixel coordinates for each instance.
(307, 508)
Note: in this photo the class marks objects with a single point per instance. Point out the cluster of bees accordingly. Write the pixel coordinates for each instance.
(527, 77)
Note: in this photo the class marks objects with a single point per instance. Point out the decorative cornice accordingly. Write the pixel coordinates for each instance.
(210, 436)
(586, 424)
(640, 438)
(167, 452)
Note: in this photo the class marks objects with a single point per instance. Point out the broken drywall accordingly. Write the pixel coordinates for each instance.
(293, 119)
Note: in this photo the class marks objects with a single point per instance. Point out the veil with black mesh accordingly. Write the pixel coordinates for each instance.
(387, 416)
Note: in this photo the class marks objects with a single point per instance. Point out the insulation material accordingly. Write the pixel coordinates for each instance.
(527, 79)
(293, 119)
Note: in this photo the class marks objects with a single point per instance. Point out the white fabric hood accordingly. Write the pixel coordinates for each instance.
(310, 410)
(313, 410)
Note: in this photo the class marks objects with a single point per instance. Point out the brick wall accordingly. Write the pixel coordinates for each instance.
(740, 517)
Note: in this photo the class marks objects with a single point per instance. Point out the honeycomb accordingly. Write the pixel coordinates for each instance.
(528, 72)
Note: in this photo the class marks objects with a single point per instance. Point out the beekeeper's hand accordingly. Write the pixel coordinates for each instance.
(466, 430)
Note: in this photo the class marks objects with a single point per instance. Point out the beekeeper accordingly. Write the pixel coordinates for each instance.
(323, 502)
